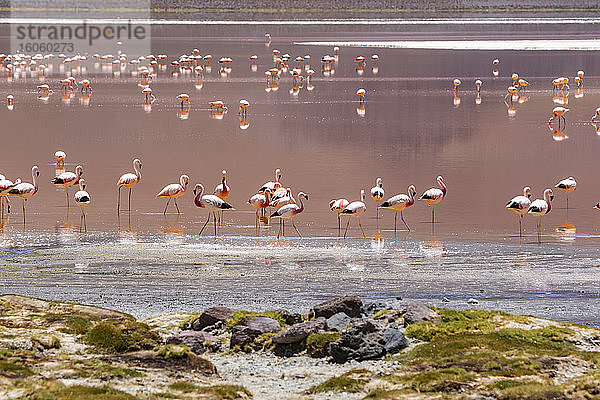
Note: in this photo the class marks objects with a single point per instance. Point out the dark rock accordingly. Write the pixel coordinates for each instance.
(373, 307)
(419, 312)
(289, 317)
(364, 341)
(299, 332)
(211, 316)
(252, 328)
(394, 339)
(350, 305)
(198, 342)
(338, 322)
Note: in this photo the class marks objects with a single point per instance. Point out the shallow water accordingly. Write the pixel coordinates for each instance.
(411, 132)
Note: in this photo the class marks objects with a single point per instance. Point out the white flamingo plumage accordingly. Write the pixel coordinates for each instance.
(60, 156)
(129, 180)
(174, 190)
(434, 196)
(520, 205)
(356, 209)
(272, 185)
(567, 185)
(68, 179)
(26, 190)
(377, 194)
(5, 187)
(338, 206)
(400, 202)
(82, 198)
(211, 202)
(260, 201)
(289, 211)
(540, 207)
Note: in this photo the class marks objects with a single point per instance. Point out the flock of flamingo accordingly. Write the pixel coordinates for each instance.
(272, 194)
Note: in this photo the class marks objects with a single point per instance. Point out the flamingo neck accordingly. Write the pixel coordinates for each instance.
(34, 178)
(138, 173)
(547, 200)
(443, 186)
(301, 204)
(198, 197)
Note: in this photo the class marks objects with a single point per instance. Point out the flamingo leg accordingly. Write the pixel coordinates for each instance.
(119, 200)
(177, 207)
(405, 224)
(433, 215)
(361, 228)
(520, 228)
(129, 204)
(215, 222)
(395, 219)
(67, 194)
(204, 226)
(294, 225)
(377, 215)
(24, 200)
(339, 224)
(168, 201)
(346, 231)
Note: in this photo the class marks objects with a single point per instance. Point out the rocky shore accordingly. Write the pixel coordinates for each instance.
(342, 348)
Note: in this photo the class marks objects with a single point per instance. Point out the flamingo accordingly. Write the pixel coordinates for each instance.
(5, 187)
(580, 75)
(567, 185)
(377, 194)
(596, 116)
(260, 201)
(289, 211)
(174, 190)
(85, 86)
(356, 208)
(211, 202)
(515, 78)
(520, 205)
(478, 84)
(222, 190)
(149, 96)
(243, 112)
(272, 185)
(434, 196)
(10, 102)
(456, 84)
(495, 62)
(558, 112)
(60, 157)
(522, 83)
(400, 202)
(184, 98)
(281, 201)
(26, 190)
(129, 180)
(68, 179)
(361, 93)
(540, 207)
(83, 199)
(338, 206)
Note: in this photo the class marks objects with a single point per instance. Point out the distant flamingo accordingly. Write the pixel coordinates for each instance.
(260, 201)
(400, 202)
(361, 93)
(85, 86)
(26, 190)
(478, 84)
(283, 200)
(434, 196)
(210, 202)
(539, 208)
(173, 191)
(272, 185)
(68, 179)
(149, 96)
(129, 180)
(222, 190)
(184, 98)
(338, 206)
(567, 185)
(596, 116)
(580, 75)
(243, 112)
(356, 208)
(456, 84)
(60, 157)
(520, 205)
(289, 211)
(558, 112)
(377, 194)
(5, 187)
(82, 198)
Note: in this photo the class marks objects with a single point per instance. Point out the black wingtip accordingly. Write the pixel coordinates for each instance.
(275, 214)
(57, 181)
(384, 204)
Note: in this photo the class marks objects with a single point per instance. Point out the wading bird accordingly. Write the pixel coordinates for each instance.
(520, 205)
(212, 203)
(173, 191)
(338, 206)
(222, 190)
(289, 211)
(456, 84)
(184, 98)
(60, 156)
(540, 207)
(400, 202)
(558, 112)
(361, 93)
(5, 187)
(356, 209)
(272, 185)
(567, 185)
(69, 179)
(434, 195)
(260, 201)
(26, 190)
(377, 194)
(243, 111)
(596, 116)
(82, 198)
(129, 180)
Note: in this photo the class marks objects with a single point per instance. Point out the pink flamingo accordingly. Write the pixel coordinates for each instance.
(567, 185)
(129, 180)
(68, 179)
(289, 211)
(174, 190)
(222, 190)
(356, 208)
(400, 202)
(82, 198)
(540, 207)
(260, 201)
(434, 196)
(272, 185)
(26, 190)
(520, 205)
(377, 194)
(5, 187)
(338, 206)
(212, 203)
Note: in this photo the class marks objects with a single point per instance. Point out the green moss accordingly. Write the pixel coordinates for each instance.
(239, 316)
(505, 384)
(98, 369)
(382, 394)
(221, 392)
(122, 337)
(77, 392)
(186, 324)
(441, 380)
(78, 325)
(380, 313)
(183, 386)
(352, 381)
(317, 344)
(13, 370)
(172, 351)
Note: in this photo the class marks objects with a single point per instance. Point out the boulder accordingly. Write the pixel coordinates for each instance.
(394, 339)
(350, 305)
(289, 317)
(419, 312)
(252, 328)
(364, 341)
(297, 333)
(211, 316)
(373, 307)
(198, 342)
(338, 322)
